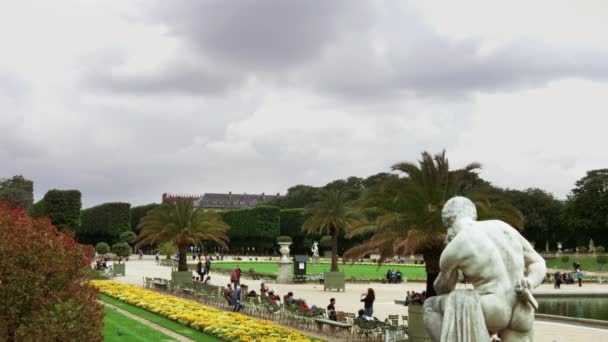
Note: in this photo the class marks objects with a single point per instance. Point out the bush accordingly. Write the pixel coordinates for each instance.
(256, 227)
(122, 250)
(102, 248)
(128, 237)
(284, 239)
(105, 222)
(45, 294)
(167, 248)
(601, 260)
(600, 249)
(140, 211)
(62, 206)
(325, 242)
(582, 249)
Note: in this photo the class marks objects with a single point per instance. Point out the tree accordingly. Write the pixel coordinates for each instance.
(331, 214)
(45, 294)
(122, 250)
(601, 260)
(182, 224)
(102, 248)
(405, 213)
(128, 237)
(543, 213)
(17, 191)
(588, 208)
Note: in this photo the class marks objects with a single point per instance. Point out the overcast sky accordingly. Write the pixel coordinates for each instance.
(125, 100)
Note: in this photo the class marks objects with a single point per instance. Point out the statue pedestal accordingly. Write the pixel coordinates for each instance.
(284, 276)
(315, 260)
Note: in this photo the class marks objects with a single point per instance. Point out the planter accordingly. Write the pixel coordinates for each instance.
(119, 269)
(284, 250)
(334, 281)
(416, 330)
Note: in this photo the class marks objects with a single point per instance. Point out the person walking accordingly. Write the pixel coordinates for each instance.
(579, 275)
(368, 302)
(208, 265)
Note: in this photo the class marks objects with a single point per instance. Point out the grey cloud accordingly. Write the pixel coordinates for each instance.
(170, 79)
(263, 34)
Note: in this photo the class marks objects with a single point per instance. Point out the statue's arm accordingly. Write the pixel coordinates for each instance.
(448, 268)
(536, 268)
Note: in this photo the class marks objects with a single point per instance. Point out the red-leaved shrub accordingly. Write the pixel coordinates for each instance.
(44, 294)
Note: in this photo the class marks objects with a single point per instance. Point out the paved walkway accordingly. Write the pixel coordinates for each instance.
(348, 301)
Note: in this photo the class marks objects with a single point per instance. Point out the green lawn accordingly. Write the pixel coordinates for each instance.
(163, 322)
(588, 263)
(118, 327)
(369, 271)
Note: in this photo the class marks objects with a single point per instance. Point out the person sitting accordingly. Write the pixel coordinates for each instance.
(362, 317)
(263, 289)
(408, 298)
(331, 310)
(253, 275)
(288, 299)
(206, 282)
(399, 276)
(228, 292)
(272, 297)
(388, 276)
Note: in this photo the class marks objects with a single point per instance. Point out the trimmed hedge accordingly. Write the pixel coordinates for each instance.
(62, 206)
(256, 227)
(292, 221)
(105, 222)
(137, 213)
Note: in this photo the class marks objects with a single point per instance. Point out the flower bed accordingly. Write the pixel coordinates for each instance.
(228, 326)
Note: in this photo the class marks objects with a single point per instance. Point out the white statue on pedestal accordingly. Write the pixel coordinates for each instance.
(315, 249)
(503, 268)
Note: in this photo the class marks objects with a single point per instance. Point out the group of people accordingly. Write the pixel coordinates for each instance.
(566, 278)
(394, 276)
(414, 298)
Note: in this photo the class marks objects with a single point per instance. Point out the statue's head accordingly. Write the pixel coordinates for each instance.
(455, 209)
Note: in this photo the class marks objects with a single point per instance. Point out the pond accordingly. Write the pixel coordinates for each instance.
(580, 307)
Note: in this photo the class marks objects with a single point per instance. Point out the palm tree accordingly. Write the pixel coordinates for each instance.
(331, 214)
(405, 213)
(182, 224)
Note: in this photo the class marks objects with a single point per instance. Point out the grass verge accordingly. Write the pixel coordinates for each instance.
(163, 322)
(118, 327)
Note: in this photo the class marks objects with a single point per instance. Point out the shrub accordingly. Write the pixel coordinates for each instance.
(63, 207)
(325, 242)
(601, 260)
(582, 249)
(44, 294)
(102, 248)
(105, 222)
(600, 249)
(140, 211)
(565, 259)
(257, 227)
(122, 250)
(284, 239)
(128, 237)
(167, 248)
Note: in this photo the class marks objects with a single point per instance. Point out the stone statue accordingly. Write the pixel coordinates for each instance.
(503, 268)
(591, 246)
(315, 249)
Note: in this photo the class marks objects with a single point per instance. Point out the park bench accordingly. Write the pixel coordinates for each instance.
(335, 327)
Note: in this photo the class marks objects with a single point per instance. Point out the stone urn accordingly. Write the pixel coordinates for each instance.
(284, 250)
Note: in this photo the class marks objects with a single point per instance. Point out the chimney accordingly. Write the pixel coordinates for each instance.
(263, 197)
(230, 195)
